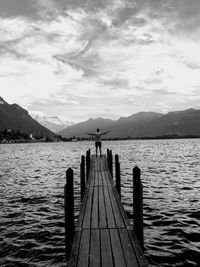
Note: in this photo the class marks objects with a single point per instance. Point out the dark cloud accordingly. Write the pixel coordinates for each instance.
(14, 46)
(34, 9)
(125, 14)
(85, 59)
(193, 66)
(178, 16)
(163, 92)
(6, 50)
(17, 8)
(116, 83)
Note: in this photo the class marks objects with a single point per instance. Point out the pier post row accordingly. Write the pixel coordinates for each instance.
(110, 161)
(69, 205)
(87, 163)
(138, 206)
(82, 176)
(117, 174)
(103, 236)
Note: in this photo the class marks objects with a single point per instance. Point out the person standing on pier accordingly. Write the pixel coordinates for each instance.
(97, 137)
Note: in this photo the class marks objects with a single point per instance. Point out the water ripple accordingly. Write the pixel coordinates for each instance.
(32, 179)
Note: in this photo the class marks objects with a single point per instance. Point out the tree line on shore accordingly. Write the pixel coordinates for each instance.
(15, 136)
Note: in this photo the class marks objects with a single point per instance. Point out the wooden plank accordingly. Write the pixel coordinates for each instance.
(138, 251)
(106, 163)
(106, 251)
(83, 258)
(102, 211)
(102, 162)
(109, 178)
(118, 253)
(100, 178)
(96, 180)
(121, 208)
(92, 180)
(128, 249)
(98, 164)
(95, 203)
(92, 163)
(75, 250)
(103, 175)
(117, 215)
(88, 209)
(95, 260)
(89, 177)
(109, 210)
(82, 210)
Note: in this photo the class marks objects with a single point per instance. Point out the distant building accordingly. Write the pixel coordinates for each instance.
(31, 137)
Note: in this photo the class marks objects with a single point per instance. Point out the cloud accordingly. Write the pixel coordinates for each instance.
(163, 92)
(47, 9)
(116, 82)
(10, 8)
(69, 56)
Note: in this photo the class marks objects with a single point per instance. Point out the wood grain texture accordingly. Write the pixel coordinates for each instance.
(103, 234)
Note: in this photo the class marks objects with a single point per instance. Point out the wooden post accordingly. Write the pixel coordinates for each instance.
(111, 163)
(87, 164)
(89, 158)
(117, 174)
(108, 158)
(69, 206)
(82, 170)
(138, 206)
(108, 154)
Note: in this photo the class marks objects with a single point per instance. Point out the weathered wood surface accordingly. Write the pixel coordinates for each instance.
(103, 236)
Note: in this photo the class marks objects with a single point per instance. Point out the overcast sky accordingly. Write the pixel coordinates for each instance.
(100, 58)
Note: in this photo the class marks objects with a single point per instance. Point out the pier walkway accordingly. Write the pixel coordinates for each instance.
(103, 236)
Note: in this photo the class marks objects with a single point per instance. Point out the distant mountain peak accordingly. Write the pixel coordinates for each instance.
(2, 101)
(53, 123)
(17, 118)
(100, 119)
(182, 111)
(146, 113)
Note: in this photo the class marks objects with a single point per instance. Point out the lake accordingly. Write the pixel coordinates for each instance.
(32, 178)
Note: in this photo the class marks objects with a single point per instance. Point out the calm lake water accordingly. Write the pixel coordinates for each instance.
(32, 178)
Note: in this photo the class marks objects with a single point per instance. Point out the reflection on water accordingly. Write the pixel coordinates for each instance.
(32, 177)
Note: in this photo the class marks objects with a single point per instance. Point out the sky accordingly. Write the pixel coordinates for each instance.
(80, 59)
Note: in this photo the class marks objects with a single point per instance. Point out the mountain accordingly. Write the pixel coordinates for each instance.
(131, 126)
(81, 129)
(16, 118)
(52, 123)
(2, 101)
(142, 124)
(186, 122)
(125, 126)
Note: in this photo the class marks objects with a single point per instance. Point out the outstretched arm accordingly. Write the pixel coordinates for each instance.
(90, 133)
(105, 132)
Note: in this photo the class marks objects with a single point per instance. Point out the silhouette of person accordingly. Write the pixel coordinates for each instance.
(98, 136)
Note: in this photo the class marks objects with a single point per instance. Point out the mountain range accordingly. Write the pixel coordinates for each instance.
(15, 117)
(53, 123)
(142, 124)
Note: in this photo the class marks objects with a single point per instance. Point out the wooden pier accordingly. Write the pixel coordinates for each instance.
(102, 236)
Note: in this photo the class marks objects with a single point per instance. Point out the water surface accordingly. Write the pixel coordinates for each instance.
(32, 177)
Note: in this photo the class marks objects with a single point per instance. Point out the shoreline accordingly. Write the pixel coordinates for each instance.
(165, 137)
